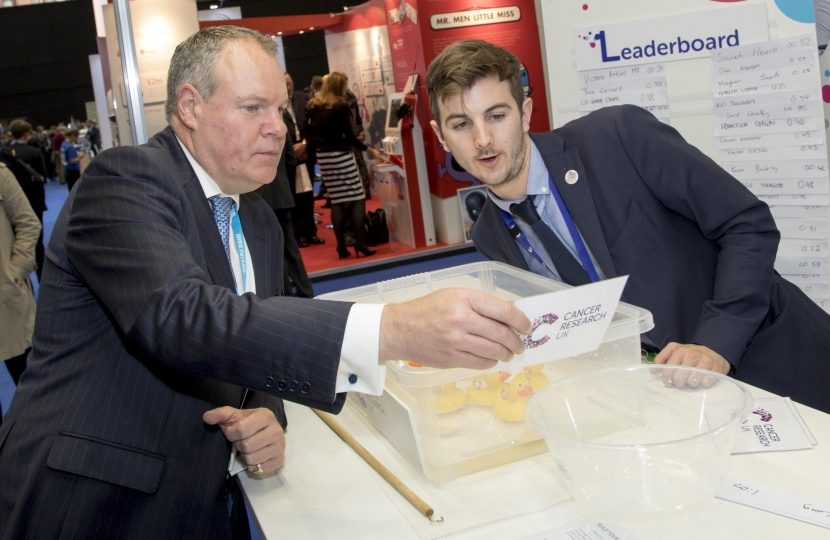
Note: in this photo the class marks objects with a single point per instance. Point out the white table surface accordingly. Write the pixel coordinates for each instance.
(325, 490)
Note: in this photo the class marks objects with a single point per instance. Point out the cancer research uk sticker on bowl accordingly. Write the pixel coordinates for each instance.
(675, 37)
(570, 322)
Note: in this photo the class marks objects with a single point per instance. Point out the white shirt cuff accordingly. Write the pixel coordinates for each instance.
(359, 370)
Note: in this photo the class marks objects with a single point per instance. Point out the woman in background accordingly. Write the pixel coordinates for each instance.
(331, 138)
(19, 231)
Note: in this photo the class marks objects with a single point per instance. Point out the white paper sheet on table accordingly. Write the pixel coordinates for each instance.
(777, 501)
(585, 530)
(521, 488)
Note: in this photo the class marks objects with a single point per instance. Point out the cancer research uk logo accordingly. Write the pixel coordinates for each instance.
(543, 320)
(765, 415)
(651, 49)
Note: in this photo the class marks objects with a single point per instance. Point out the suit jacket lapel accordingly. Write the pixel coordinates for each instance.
(215, 256)
(577, 196)
(260, 247)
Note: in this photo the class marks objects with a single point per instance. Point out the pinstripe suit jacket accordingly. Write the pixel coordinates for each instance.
(138, 333)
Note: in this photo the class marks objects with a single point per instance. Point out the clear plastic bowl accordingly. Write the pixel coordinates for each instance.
(634, 450)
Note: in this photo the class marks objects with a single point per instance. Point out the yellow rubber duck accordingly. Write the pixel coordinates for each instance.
(510, 405)
(483, 395)
(449, 398)
(535, 378)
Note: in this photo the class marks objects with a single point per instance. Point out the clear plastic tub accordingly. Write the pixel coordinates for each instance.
(435, 417)
(634, 450)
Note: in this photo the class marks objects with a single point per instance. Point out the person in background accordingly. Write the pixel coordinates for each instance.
(330, 135)
(40, 140)
(315, 86)
(57, 141)
(303, 188)
(93, 135)
(278, 195)
(71, 158)
(34, 190)
(360, 133)
(19, 231)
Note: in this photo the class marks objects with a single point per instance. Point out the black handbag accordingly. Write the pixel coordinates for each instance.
(376, 230)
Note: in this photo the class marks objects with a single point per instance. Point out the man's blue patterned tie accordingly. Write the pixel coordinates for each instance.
(222, 207)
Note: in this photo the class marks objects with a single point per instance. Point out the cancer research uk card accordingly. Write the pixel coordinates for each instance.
(773, 425)
(570, 322)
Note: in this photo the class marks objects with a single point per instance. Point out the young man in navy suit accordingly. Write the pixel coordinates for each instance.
(161, 338)
(618, 192)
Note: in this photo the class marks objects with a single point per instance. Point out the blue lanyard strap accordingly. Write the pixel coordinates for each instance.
(522, 240)
(239, 240)
(575, 236)
(581, 250)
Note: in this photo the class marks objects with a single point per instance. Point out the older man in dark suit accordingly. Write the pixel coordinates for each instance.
(615, 193)
(161, 339)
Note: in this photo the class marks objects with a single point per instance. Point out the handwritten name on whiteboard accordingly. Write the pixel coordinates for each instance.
(761, 127)
(767, 48)
(805, 186)
(796, 168)
(805, 151)
(772, 139)
(774, 87)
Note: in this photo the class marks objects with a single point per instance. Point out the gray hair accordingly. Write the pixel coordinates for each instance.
(195, 58)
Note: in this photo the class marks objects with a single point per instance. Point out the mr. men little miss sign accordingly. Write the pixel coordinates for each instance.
(677, 37)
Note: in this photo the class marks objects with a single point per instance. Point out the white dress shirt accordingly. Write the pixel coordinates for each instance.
(361, 341)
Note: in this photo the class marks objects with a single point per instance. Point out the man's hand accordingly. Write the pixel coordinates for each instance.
(693, 356)
(452, 328)
(255, 433)
(361, 136)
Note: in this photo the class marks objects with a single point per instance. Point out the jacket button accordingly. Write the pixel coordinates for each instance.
(281, 386)
(306, 388)
(269, 382)
(293, 386)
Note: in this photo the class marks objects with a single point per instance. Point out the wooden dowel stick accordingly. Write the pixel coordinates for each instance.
(387, 475)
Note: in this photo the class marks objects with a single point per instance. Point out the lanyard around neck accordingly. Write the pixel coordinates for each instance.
(239, 240)
(581, 250)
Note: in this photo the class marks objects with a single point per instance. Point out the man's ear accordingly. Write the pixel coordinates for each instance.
(438, 133)
(189, 101)
(527, 110)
